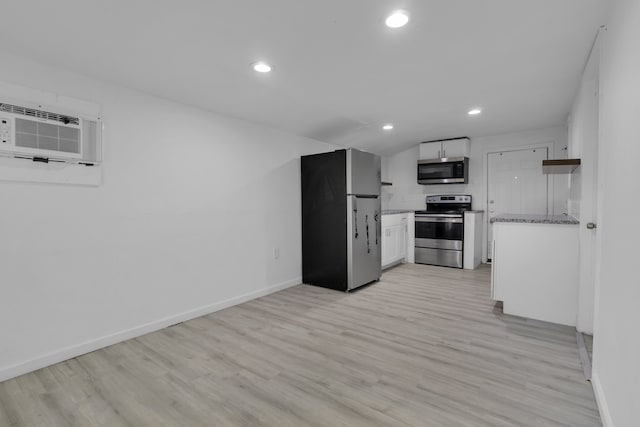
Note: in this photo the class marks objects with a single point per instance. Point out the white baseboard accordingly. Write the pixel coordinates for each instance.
(605, 415)
(393, 264)
(105, 341)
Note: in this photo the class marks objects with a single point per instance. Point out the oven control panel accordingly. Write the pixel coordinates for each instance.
(453, 198)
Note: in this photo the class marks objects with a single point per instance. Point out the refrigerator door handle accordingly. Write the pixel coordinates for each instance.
(355, 217)
(376, 217)
(366, 224)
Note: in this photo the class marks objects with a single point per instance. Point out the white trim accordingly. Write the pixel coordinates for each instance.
(105, 341)
(605, 415)
(584, 356)
(394, 263)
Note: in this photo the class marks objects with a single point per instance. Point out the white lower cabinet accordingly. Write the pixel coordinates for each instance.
(534, 270)
(389, 244)
(394, 239)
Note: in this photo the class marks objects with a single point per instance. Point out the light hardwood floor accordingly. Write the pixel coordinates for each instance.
(423, 347)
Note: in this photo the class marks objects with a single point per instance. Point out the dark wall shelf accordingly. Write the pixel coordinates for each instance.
(560, 166)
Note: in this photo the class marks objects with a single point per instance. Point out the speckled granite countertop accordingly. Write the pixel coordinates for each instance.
(396, 211)
(535, 219)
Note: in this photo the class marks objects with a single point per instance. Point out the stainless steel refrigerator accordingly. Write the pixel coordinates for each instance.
(341, 217)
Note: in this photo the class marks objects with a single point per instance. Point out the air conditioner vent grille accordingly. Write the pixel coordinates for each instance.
(40, 114)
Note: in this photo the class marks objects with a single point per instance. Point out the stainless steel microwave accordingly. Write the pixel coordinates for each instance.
(453, 170)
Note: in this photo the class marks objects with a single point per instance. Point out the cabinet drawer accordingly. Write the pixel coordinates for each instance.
(442, 257)
(395, 219)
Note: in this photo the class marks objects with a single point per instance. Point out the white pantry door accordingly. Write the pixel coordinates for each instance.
(585, 134)
(516, 185)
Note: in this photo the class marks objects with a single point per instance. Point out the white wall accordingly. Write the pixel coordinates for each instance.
(406, 193)
(191, 208)
(616, 358)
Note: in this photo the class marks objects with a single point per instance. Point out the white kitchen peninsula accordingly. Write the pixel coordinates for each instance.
(534, 268)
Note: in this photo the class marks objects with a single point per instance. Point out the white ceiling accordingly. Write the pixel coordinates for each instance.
(339, 73)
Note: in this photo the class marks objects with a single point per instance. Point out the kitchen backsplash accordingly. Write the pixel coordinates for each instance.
(412, 197)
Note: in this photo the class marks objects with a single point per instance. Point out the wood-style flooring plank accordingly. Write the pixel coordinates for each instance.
(425, 346)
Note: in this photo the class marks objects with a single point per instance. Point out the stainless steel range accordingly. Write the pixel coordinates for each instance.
(440, 230)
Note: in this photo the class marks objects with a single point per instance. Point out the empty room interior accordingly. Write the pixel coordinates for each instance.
(319, 213)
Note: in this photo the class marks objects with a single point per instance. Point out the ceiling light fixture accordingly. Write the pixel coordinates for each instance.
(261, 67)
(397, 19)
(387, 126)
(474, 112)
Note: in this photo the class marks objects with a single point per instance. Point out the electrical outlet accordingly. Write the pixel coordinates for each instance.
(276, 253)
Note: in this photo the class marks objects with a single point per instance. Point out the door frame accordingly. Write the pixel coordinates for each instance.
(549, 145)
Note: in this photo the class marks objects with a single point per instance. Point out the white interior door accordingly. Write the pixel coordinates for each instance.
(585, 132)
(588, 215)
(516, 185)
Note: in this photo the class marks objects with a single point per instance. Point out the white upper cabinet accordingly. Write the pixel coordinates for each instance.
(443, 149)
(455, 148)
(430, 150)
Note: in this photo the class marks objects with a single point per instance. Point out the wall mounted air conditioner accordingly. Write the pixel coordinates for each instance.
(45, 135)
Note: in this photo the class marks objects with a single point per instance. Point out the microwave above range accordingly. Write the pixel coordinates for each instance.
(452, 170)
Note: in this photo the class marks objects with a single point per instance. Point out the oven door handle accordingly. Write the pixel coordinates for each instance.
(438, 219)
(438, 215)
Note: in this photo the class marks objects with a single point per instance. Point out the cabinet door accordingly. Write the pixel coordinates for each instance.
(455, 148)
(389, 244)
(395, 235)
(384, 247)
(402, 240)
(430, 150)
(384, 240)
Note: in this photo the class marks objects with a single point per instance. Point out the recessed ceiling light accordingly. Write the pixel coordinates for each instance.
(474, 112)
(261, 67)
(387, 126)
(397, 19)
